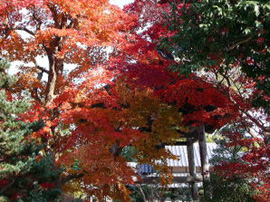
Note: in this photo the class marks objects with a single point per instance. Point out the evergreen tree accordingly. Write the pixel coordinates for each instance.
(25, 174)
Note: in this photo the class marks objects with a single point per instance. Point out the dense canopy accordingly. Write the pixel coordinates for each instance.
(132, 79)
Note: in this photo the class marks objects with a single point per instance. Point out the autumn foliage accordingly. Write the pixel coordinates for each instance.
(109, 85)
(227, 42)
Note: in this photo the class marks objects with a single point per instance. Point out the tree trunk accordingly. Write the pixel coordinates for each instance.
(192, 169)
(204, 160)
(51, 84)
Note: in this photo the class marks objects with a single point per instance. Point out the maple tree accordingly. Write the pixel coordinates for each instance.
(88, 118)
(121, 91)
(200, 101)
(63, 32)
(234, 188)
(227, 42)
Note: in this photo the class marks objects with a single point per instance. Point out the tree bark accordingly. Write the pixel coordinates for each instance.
(192, 169)
(204, 160)
(55, 72)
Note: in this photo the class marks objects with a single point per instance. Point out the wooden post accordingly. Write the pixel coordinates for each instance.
(204, 160)
(192, 169)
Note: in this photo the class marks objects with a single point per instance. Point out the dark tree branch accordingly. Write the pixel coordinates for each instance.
(42, 69)
(239, 43)
(73, 176)
(24, 29)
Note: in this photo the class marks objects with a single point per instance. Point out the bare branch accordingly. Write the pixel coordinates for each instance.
(42, 69)
(24, 29)
(239, 43)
